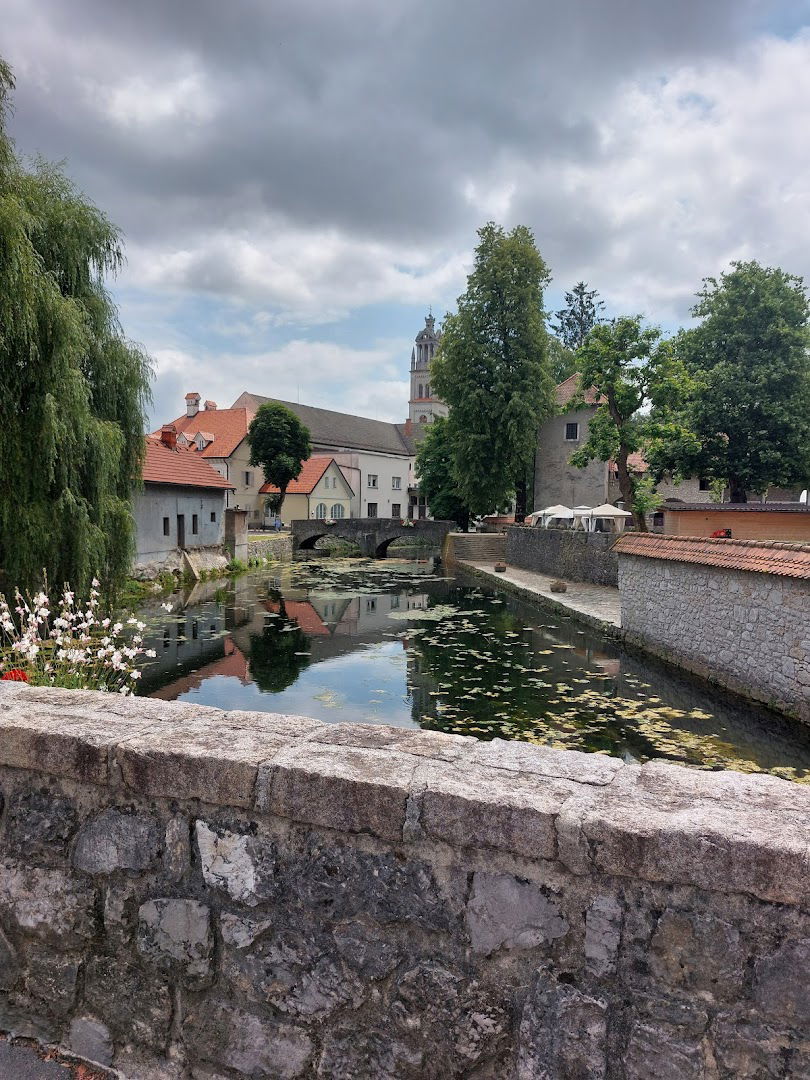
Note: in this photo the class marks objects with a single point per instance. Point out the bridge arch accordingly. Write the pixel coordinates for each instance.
(372, 535)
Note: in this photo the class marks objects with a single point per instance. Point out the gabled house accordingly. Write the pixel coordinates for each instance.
(181, 508)
(320, 491)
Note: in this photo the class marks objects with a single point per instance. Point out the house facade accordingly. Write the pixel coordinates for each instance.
(556, 480)
(181, 508)
(321, 490)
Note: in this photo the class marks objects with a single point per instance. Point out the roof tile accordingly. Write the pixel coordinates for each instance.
(757, 556)
(180, 466)
(228, 427)
(311, 471)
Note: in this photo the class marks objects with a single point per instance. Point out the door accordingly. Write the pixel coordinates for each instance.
(395, 510)
(372, 510)
(181, 530)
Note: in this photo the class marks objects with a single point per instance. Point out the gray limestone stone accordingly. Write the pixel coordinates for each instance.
(52, 977)
(349, 1054)
(48, 904)
(241, 931)
(177, 847)
(117, 841)
(9, 967)
(659, 1051)
(90, 1039)
(40, 825)
(176, 936)
(697, 952)
(506, 912)
(782, 985)
(366, 950)
(603, 928)
(133, 1002)
(236, 863)
(562, 1034)
(748, 1051)
(252, 1046)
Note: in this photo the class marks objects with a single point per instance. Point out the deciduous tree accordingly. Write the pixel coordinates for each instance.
(73, 390)
(434, 471)
(629, 366)
(748, 400)
(279, 445)
(491, 369)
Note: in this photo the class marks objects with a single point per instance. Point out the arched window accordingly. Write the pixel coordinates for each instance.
(423, 419)
(420, 390)
(337, 511)
(427, 389)
(320, 510)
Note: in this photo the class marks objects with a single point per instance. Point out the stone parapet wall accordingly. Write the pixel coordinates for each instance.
(273, 546)
(191, 893)
(573, 555)
(747, 631)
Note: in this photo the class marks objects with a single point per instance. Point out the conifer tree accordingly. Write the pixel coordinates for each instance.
(73, 390)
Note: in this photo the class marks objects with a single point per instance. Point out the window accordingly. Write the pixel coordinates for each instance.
(396, 510)
(427, 389)
(320, 510)
(337, 511)
(395, 603)
(704, 484)
(248, 479)
(572, 432)
(396, 483)
(419, 394)
(195, 524)
(422, 419)
(372, 480)
(213, 515)
(658, 519)
(371, 604)
(372, 510)
(165, 526)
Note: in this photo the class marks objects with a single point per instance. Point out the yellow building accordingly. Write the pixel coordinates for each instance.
(320, 491)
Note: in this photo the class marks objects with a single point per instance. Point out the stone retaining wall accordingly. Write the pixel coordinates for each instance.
(273, 546)
(564, 553)
(749, 632)
(198, 894)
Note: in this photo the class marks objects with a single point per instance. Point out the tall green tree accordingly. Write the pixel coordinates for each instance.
(748, 401)
(491, 369)
(579, 316)
(279, 444)
(434, 471)
(73, 390)
(629, 366)
(562, 361)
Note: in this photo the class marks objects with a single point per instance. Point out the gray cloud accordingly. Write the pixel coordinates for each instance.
(301, 159)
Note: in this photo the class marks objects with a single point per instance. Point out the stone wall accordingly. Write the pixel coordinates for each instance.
(271, 546)
(564, 553)
(207, 895)
(747, 631)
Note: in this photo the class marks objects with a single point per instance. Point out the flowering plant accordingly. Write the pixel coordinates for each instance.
(73, 647)
(406, 523)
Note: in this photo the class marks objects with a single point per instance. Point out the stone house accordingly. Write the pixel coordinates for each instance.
(320, 491)
(181, 508)
(556, 480)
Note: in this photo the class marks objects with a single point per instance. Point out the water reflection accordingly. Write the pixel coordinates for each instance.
(401, 643)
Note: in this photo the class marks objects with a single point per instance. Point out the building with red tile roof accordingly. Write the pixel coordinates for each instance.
(320, 490)
(181, 509)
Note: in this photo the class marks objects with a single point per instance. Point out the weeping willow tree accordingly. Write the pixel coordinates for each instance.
(73, 390)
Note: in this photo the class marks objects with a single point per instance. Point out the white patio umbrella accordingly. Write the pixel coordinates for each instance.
(560, 512)
(616, 516)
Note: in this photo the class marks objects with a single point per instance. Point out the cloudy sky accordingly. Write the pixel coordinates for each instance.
(297, 180)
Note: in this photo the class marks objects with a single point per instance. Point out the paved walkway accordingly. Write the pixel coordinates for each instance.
(24, 1061)
(594, 604)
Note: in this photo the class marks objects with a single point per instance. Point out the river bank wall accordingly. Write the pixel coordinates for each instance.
(572, 555)
(201, 894)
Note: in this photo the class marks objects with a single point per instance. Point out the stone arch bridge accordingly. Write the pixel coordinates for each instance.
(372, 535)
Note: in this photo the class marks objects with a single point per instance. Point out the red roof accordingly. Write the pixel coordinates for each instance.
(635, 463)
(758, 556)
(227, 426)
(182, 466)
(311, 472)
(565, 392)
(303, 613)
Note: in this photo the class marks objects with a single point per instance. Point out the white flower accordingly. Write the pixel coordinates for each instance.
(150, 653)
(95, 583)
(166, 607)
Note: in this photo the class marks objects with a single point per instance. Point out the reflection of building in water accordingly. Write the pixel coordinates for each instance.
(233, 665)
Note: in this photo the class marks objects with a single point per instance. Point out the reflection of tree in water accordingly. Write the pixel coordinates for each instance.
(275, 662)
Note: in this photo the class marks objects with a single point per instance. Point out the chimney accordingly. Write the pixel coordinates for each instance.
(192, 404)
(409, 426)
(210, 406)
(168, 436)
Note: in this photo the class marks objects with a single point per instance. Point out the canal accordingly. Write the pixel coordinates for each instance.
(405, 642)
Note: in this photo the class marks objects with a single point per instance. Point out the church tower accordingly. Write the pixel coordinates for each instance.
(424, 406)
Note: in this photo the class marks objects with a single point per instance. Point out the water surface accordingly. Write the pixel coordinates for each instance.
(402, 642)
